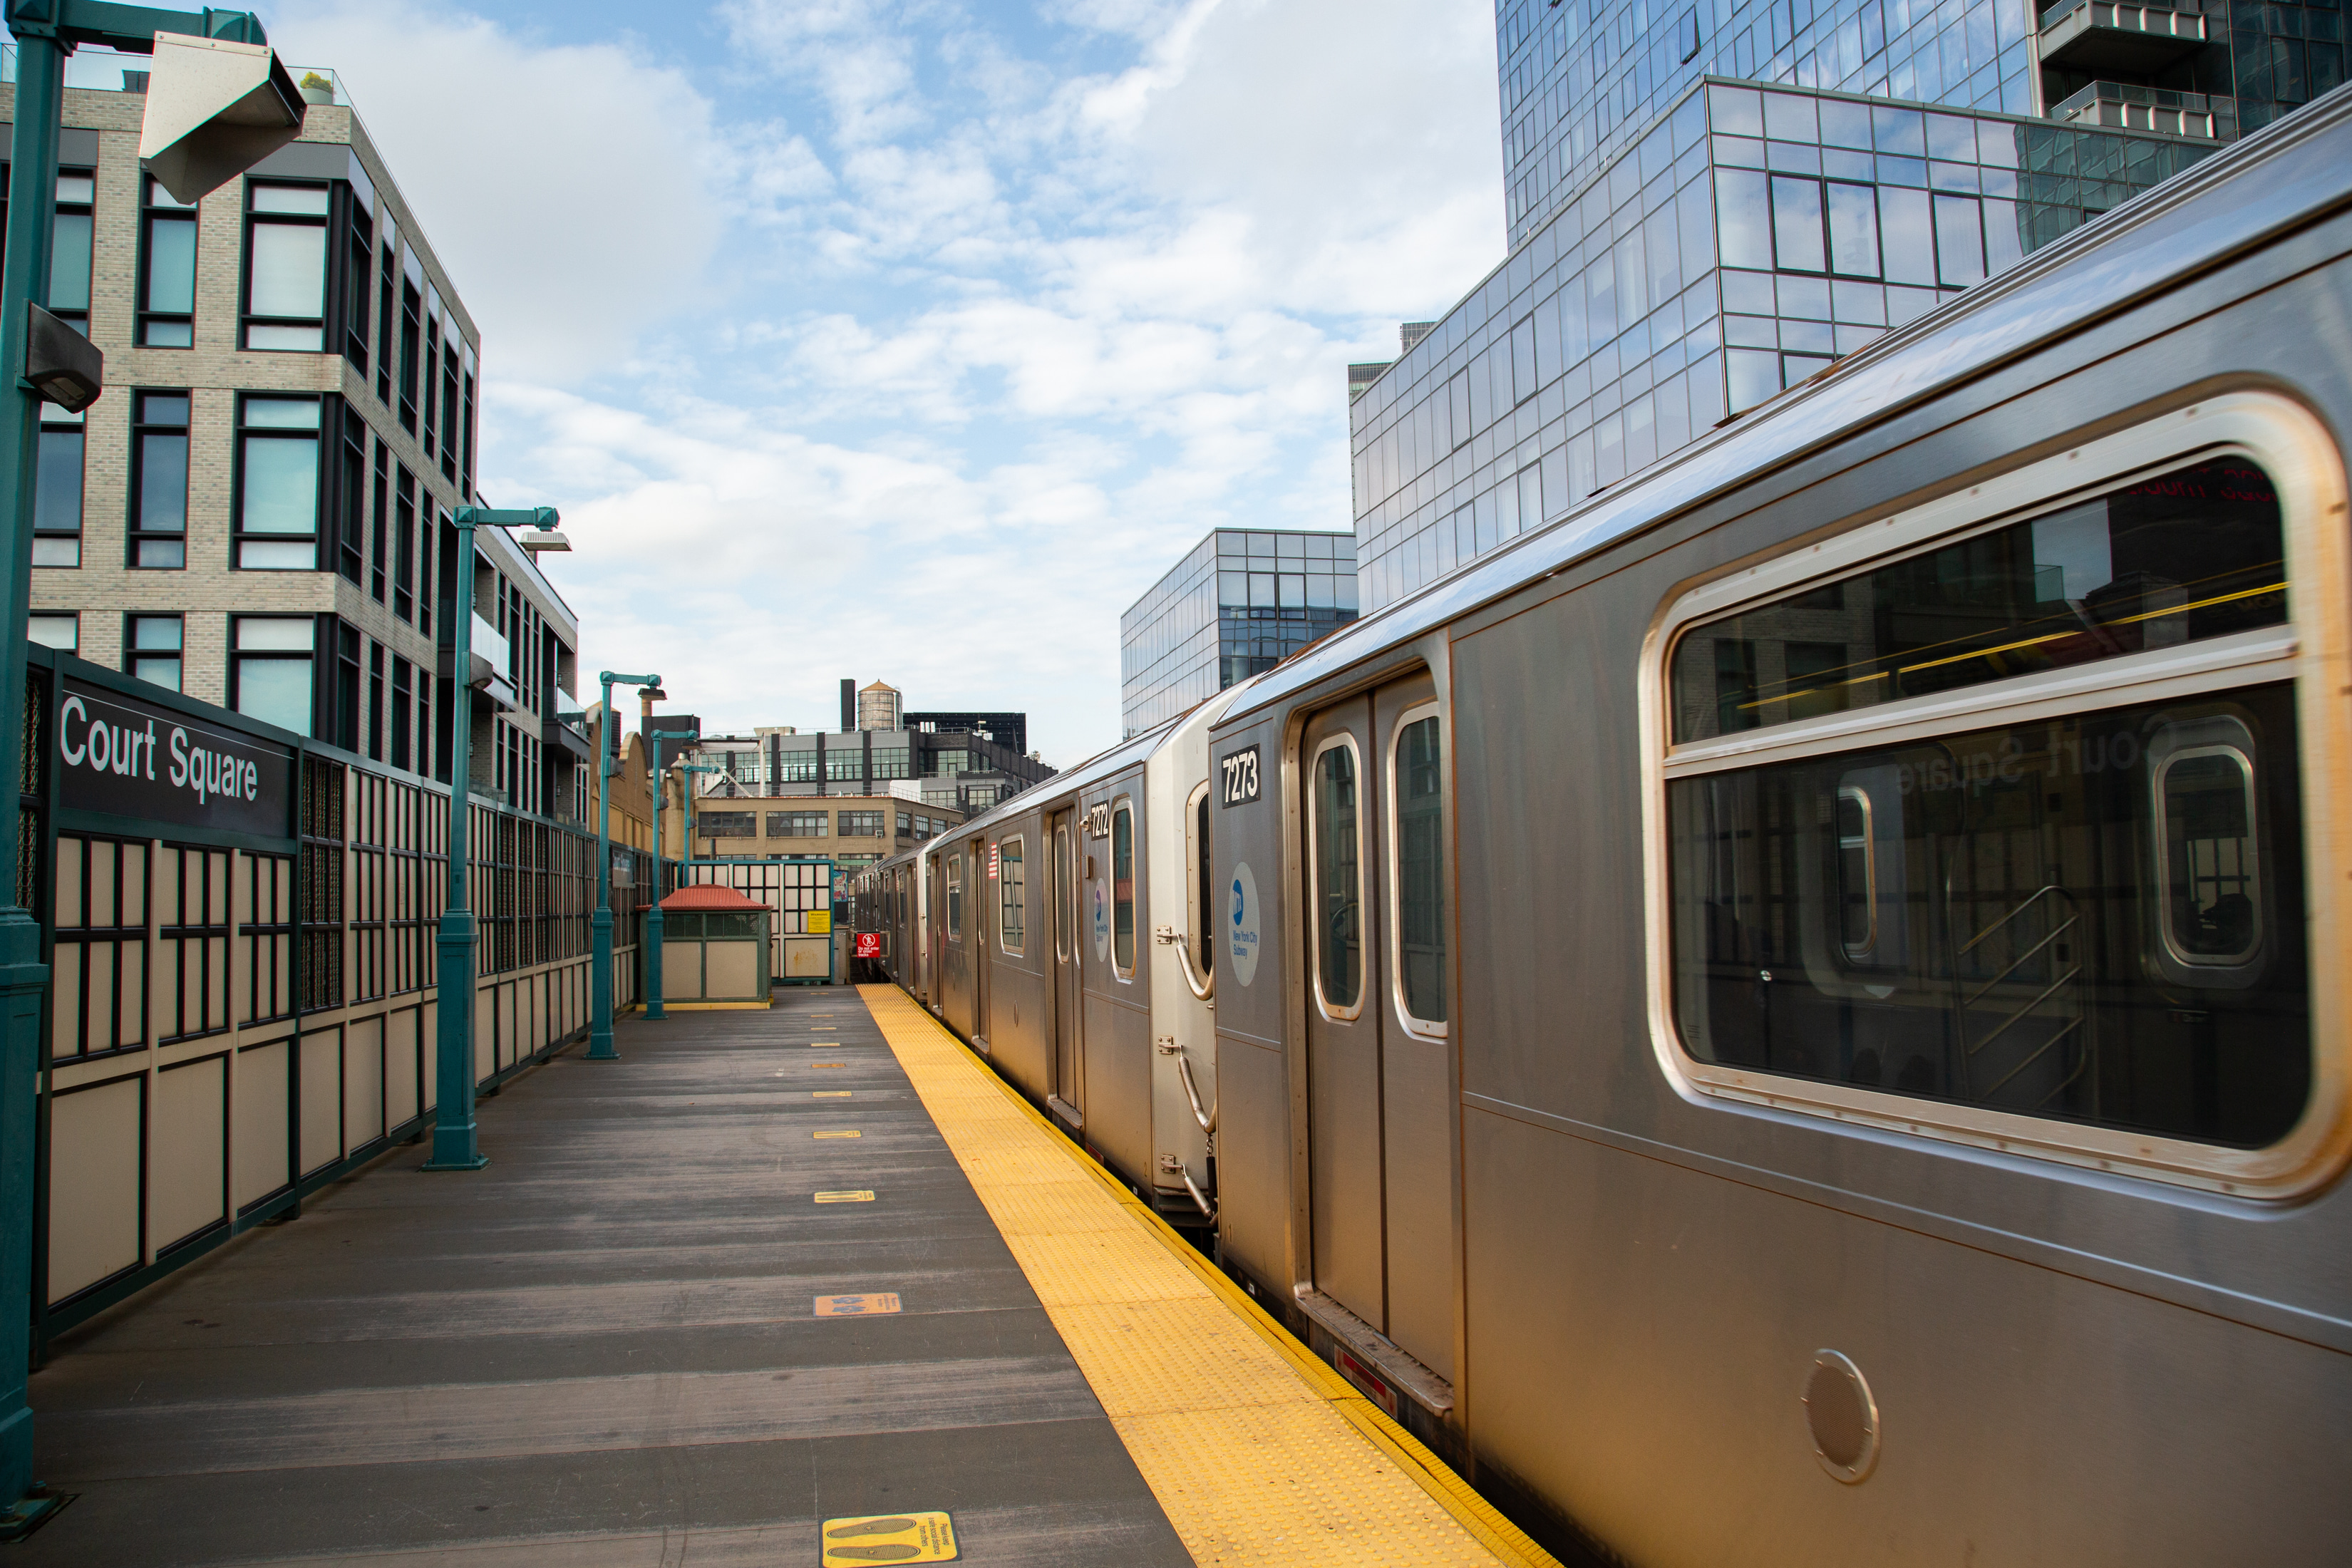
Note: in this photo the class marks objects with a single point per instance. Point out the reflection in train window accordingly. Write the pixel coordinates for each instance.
(955, 897)
(1417, 787)
(1062, 879)
(1339, 890)
(1011, 897)
(2076, 918)
(1203, 879)
(2193, 554)
(1122, 887)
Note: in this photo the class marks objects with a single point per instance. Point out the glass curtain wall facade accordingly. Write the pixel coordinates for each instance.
(1241, 601)
(1580, 79)
(1748, 237)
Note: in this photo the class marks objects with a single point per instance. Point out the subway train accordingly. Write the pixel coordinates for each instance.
(1799, 1012)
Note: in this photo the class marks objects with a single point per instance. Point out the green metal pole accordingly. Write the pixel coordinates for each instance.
(23, 281)
(653, 915)
(600, 963)
(455, 1141)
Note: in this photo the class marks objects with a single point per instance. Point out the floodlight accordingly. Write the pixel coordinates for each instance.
(63, 365)
(544, 539)
(214, 109)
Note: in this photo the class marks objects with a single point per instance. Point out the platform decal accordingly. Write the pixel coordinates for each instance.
(840, 1134)
(1241, 928)
(889, 1538)
(847, 1197)
(873, 1304)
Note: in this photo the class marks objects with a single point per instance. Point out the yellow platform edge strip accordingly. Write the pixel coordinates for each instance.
(1480, 1519)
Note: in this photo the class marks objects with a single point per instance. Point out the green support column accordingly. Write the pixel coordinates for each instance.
(24, 280)
(600, 964)
(654, 913)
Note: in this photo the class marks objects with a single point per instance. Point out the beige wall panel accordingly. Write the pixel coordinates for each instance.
(734, 968)
(257, 1137)
(484, 1035)
(187, 1152)
(363, 1062)
(428, 1043)
(101, 882)
(322, 1098)
(65, 994)
(400, 1063)
(68, 882)
(93, 1185)
(130, 996)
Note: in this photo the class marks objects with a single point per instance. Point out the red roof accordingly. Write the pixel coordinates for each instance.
(705, 899)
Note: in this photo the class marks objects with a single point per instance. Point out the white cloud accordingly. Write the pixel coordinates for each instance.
(886, 342)
(566, 188)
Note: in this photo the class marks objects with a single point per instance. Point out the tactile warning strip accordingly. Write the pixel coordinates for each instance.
(1256, 1450)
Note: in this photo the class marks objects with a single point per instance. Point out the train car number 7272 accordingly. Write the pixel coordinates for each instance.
(1239, 772)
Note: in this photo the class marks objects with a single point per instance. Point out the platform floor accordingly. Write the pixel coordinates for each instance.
(616, 1345)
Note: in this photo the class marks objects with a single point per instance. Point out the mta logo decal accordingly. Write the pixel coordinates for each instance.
(1238, 904)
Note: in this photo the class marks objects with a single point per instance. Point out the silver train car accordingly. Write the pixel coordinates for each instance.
(1066, 935)
(1803, 1013)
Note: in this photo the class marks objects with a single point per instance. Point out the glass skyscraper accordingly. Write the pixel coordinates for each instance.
(1239, 602)
(1708, 203)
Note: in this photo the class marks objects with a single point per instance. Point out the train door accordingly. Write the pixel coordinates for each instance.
(1065, 1096)
(979, 911)
(1379, 1064)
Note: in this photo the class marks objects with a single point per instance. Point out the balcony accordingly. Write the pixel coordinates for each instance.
(490, 658)
(2099, 38)
(2125, 107)
(569, 734)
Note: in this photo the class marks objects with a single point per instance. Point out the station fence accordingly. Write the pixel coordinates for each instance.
(240, 925)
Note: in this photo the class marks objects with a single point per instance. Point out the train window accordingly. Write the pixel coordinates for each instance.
(1203, 878)
(2026, 979)
(1338, 878)
(1122, 887)
(1996, 820)
(1011, 897)
(2182, 556)
(1061, 879)
(955, 897)
(1417, 877)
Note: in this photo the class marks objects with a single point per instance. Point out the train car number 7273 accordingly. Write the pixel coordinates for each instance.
(1239, 773)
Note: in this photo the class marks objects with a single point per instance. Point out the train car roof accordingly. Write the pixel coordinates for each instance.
(2190, 223)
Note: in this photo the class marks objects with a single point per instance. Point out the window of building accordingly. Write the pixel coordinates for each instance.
(57, 488)
(153, 650)
(430, 369)
(285, 267)
(70, 248)
(52, 629)
(906, 825)
(404, 559)
(159, 480)
(797, 824)
(861, 824)
(946, 764)
(1122, 887)
(1012, 901)
(269, 669)
(412, 344)
(167, 268)
(278, 484)
(892, 763)
(726, 825)
(376, 702)
(387, 294)
(466, 427)
(846, 765)
(351, 496)
(403, 714)
(451, 416)
(380, 523)
(358, 250)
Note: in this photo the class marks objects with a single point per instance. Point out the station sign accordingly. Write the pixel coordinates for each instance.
(124, 757)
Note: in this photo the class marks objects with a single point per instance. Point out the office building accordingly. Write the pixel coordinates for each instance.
(258, 511)
(1241, 601)
(853, 831)
(1685, 245)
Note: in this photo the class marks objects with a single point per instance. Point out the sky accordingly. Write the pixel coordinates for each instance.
(912, 341)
